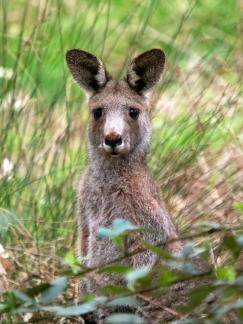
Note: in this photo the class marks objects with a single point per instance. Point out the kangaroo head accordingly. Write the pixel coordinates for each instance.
(119, 123)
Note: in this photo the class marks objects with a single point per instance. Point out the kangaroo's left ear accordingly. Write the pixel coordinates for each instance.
(87, 70)
(145, 70)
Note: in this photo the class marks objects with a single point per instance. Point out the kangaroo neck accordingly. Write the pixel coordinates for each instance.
(106, 167)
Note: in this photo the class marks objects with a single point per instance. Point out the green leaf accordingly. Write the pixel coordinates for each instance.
(30, 309)
(198, 251)
(122, 225)
(133, 275)
(113, 290)
(238, 205)
(239, 281)
(119, 226)
(57, 286)
(77, 309)
(187, 249)
(185, 321)
(36, 290)
(70, 258)
(119, 268)
(73, 262)
(185, 309)
(71, 310)
(104, 232)
(211, 225)
(239, 241)
(231, 244)
(226, 272)
(119, 240)
(22, 296)
(238, 305)
(157, 250)
(183, 267)
(3, 307)
(198, 295)
(87, 297)
(124, 301)
(122, 318)
(10, 300)
(166, 276)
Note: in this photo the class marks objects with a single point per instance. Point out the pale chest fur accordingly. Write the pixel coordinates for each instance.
(130, 196)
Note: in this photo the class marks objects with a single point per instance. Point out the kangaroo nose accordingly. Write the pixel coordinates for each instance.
(113, 140)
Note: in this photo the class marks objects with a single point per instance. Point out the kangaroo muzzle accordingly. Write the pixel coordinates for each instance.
(113, 142)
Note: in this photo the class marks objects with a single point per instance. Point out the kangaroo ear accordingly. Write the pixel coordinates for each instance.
(145, 70)
(87, 70)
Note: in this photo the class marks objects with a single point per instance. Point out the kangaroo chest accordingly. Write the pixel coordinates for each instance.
(128, 198)
(107, 203)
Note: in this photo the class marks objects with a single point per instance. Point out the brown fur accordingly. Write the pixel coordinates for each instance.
(118, 186)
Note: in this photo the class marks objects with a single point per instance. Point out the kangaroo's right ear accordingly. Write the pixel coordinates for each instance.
(145, 70)
(87, 70)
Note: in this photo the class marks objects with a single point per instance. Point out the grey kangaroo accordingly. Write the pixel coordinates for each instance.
(116, 182)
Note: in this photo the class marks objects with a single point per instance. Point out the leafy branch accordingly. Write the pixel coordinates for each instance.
(224, 281)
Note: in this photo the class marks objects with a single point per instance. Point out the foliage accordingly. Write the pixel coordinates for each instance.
(224, 281)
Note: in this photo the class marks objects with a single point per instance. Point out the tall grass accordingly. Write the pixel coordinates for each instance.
(197, 110)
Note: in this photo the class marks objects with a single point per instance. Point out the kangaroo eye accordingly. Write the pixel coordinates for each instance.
(97, 113)
(133, 113)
